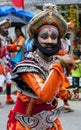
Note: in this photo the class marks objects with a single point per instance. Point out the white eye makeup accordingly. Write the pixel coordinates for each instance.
(45, 35)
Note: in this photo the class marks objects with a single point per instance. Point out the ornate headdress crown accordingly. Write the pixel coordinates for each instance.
(50, 6)
(49, 16)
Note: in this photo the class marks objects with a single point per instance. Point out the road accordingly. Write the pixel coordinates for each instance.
(70, 121)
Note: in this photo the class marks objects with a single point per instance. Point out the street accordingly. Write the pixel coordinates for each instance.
(70, 121)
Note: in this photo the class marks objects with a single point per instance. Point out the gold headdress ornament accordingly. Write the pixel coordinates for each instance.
(49, 16)
(5, 23)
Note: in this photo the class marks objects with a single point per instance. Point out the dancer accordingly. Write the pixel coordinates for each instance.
(4, 69)
(38, 82)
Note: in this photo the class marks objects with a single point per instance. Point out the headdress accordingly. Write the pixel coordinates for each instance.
(5, 23)
(49, 16)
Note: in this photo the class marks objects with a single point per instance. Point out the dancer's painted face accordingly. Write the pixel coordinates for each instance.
(48, 39)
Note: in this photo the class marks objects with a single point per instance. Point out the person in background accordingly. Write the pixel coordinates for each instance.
(40, 76)
(5, 73)
(66, 85)
(17, 55)
(76, 74)
(67, 38)
(63, 51)
(27, 46)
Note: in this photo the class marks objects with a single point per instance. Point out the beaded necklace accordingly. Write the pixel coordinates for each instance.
(41, 62)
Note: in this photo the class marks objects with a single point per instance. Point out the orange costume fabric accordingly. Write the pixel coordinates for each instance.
(44, 89)
(18, 41)
(62, 52)
(66, 82)
(10, 47)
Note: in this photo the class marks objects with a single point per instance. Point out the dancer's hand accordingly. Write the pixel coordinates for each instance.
(66, 60)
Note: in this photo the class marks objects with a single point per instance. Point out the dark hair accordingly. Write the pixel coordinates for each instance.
(34, 47)
(18, 27)
(77, 52)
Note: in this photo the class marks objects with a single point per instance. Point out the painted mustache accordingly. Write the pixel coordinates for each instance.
(52, 45)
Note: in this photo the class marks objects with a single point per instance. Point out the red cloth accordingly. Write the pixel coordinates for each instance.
(18, 3)
(2, 52)
(21, 107)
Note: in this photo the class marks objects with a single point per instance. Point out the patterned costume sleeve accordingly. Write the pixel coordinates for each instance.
(45, 89)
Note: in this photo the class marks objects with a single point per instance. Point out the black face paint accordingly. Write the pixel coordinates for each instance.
(54, 48)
